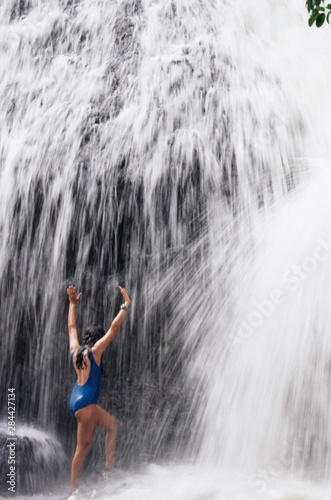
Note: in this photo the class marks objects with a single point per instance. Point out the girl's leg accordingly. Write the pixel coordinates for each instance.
(108, 422)
(85, 431)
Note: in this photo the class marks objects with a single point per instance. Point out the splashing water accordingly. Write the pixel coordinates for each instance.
(180, 148)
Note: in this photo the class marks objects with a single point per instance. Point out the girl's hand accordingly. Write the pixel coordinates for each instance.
(73, 298)
(125, 296)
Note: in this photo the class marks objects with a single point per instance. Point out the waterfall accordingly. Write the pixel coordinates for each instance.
(173, 147)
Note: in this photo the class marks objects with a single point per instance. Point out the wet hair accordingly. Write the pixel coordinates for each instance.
(92, 334)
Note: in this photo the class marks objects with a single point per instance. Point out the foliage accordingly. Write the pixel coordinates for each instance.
(318, 13)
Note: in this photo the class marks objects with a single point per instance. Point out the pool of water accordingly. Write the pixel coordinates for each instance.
(193, 482)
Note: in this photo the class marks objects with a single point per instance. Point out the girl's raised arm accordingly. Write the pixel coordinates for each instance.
(101, 344)
(73, 337)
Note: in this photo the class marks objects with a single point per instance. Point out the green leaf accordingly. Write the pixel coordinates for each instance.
(320, 20)
(310, 5)
(319, 9)
(328, 17)
(311, 21)
(328, 6)
(314, 15)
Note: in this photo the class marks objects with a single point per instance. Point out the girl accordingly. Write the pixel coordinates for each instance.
(86, 359)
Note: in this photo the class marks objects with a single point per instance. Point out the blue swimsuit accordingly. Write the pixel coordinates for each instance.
(87, 394)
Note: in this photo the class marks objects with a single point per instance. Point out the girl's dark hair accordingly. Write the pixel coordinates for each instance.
(92, 334)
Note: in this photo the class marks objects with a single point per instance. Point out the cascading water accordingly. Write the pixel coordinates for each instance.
(167, 146)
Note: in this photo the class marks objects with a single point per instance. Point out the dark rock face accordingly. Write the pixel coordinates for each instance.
(31, 462)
